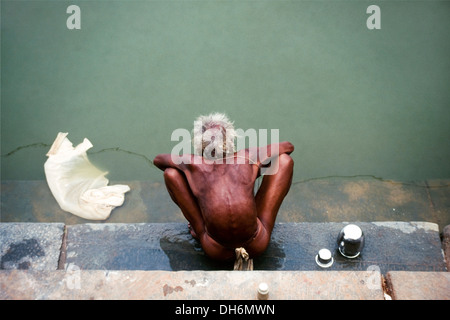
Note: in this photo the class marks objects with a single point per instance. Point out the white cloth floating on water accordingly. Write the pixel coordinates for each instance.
(77, 185)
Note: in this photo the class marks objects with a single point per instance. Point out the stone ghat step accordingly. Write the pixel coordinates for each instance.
(390, 246)
(222, 285)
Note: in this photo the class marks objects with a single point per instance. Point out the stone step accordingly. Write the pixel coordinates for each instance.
(409, 246)
(222, 285)
(34, 246)
(162, 261)
(390, 246)
(187, 285)
(403, 285)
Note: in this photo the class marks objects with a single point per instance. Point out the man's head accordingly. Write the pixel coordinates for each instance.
(214, 135)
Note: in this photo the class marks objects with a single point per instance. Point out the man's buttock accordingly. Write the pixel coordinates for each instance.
(232, 235)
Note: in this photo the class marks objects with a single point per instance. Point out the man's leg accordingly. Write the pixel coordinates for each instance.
(269, 197)
(181, 194)
(272, 191)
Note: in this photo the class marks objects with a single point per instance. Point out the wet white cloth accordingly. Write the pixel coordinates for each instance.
(77, 185)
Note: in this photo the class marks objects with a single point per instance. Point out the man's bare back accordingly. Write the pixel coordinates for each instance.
(218, 198)
(226, 199)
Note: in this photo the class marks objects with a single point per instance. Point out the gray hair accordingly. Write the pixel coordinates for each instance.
(214, 132)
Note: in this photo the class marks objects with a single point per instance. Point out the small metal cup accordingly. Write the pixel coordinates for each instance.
(324, 258)
(350, 241)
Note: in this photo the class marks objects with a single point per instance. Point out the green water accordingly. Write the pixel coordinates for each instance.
(353, 101)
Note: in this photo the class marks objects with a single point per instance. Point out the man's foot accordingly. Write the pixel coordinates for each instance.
(191, 230)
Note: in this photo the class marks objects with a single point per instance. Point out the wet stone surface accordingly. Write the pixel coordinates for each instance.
(408, 246)
(142, 246)
(321, 200)
(30, 246)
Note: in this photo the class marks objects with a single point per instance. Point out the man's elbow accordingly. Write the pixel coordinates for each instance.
(159, 161)
(289, 147)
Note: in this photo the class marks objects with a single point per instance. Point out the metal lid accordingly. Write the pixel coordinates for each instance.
(350, 241)
(352, 232)
(324, 258)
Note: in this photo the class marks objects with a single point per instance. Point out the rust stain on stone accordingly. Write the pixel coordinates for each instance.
(192, 282)
(168, 289)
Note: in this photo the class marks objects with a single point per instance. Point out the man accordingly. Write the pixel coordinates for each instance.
(215, 189)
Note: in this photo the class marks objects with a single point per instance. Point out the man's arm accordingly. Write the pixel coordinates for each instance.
(167, 160)
(267, 153)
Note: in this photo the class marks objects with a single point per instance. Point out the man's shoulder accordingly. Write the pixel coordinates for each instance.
(191, 160)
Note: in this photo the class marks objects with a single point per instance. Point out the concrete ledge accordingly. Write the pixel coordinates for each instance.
(215, 285)
(405, 285)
